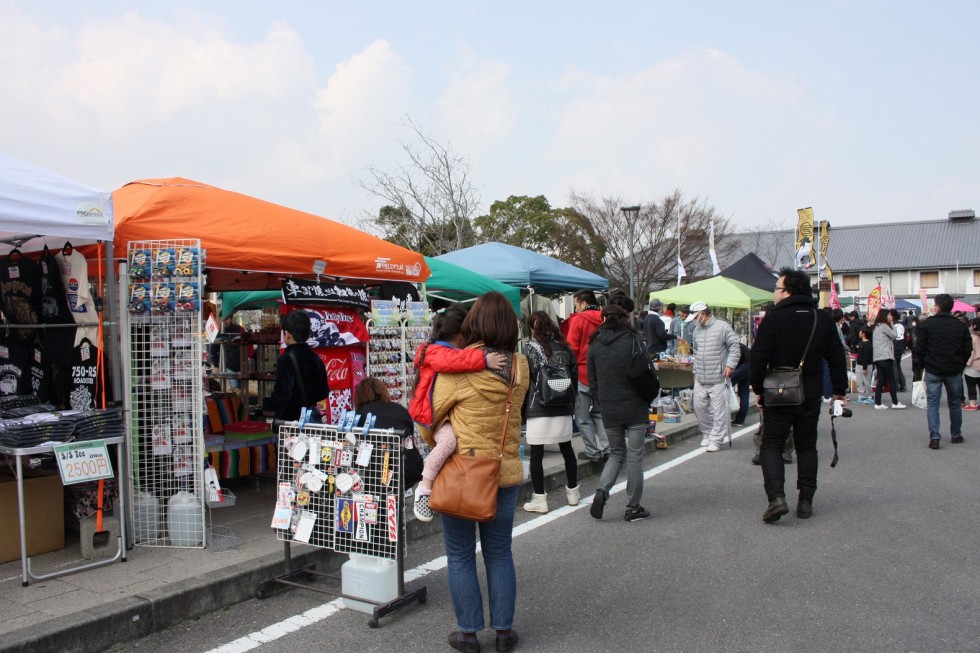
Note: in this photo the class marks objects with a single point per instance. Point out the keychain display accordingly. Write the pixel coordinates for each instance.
(342, 475)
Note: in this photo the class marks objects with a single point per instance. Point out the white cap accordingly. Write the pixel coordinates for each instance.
(696, 308)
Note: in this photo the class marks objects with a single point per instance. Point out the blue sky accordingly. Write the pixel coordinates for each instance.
(866, 111)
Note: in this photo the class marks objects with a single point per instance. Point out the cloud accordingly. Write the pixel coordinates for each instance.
(476, 106)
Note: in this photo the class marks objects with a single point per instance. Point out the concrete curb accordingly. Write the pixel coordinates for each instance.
(102, 627)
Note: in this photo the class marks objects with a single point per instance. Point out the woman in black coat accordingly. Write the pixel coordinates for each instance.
(624, 411)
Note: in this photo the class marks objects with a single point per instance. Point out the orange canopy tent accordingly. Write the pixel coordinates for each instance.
(250, 243)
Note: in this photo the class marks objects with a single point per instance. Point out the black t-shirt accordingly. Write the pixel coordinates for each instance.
(84, 386)
(20, 293)
(54, 310)
(15, 369)
(40, 372)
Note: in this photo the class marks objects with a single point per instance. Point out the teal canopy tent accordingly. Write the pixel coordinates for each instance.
(448, 281)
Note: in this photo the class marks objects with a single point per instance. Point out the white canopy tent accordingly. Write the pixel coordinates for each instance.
(39, 207)
(36, 202)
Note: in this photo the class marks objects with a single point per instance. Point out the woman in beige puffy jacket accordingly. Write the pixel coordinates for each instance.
(477, 405)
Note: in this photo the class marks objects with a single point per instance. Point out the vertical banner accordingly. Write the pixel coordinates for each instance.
(824, 236)
(874, 304)
(804, 239)
(924, 298)
(711, 250)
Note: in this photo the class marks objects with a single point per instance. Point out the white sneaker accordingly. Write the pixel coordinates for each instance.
(713, 448)
(704, 443)
(882, 407)
(898, 405)
(421, 507)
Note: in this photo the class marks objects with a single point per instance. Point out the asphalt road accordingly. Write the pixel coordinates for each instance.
(888, 562)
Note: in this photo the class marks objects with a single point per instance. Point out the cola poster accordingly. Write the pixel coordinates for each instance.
(334, 327)
(345, 369)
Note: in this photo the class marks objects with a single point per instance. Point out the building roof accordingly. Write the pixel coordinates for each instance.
(896, 246)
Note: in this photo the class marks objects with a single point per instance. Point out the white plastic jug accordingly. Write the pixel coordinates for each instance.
(185, 519)
(374, 579)
(147, 517)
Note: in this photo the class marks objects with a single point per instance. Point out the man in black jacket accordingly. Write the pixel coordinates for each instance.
(655, 331)
(290, 391)
(781, 341)
(943, 345)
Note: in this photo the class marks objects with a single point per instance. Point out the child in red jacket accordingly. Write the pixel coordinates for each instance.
(441, 354)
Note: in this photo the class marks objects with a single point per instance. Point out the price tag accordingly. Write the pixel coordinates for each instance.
(83, 461)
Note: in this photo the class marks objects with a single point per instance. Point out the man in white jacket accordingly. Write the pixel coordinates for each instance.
(716, 355)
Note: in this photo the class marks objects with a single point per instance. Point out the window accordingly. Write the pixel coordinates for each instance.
(928, 279)
(976, 278)
(852, 282)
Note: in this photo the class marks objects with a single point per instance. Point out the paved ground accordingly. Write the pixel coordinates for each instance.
(887, 563)
(159, 587)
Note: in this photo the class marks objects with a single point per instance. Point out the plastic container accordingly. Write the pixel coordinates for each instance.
(369, 578)
(185, 520)
(147, 517)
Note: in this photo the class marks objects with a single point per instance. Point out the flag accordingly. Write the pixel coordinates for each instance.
(834, 302)
(805, 258)
(711, 250)
(680, 268)
(874, 304)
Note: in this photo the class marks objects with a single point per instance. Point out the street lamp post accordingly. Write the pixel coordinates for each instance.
(630, 213)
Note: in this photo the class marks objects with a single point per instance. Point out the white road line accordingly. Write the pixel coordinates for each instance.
(321, 612)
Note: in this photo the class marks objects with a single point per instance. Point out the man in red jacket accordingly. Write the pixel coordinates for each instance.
(581, 324)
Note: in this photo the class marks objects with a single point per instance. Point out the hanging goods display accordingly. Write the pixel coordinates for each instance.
(165, 391)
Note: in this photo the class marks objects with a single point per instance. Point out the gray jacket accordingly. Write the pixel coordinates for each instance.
(715, 348)
(608, 358)
(883, 342)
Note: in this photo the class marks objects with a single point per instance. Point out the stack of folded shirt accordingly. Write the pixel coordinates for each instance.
(24, 432)
(95, 424)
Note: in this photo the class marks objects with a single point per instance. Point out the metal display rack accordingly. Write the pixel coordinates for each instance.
(341, 491)
(165, 392)
(391, 351)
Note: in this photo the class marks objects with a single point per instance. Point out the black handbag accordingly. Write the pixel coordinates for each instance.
(783, 386)
(554, 386)
(640, 373)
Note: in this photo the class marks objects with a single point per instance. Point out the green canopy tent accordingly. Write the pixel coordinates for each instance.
(448, 281)
(456, 284)
(716, 292)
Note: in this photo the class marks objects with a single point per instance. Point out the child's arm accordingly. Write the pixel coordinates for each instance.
(456, 361)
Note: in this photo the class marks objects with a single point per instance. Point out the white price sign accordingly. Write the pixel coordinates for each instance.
(83, 461)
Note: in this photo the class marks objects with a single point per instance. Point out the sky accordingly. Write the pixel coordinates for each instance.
(866, 111)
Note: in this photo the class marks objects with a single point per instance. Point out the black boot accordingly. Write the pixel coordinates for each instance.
(777, 508)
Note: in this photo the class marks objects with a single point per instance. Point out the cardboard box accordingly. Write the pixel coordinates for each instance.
(44, 515)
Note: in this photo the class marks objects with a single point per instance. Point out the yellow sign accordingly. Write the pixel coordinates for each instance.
(824, 237)
(805, 258)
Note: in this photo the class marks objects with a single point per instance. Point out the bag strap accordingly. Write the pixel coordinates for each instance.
(299, 379)
(507, 407)
(812, 331)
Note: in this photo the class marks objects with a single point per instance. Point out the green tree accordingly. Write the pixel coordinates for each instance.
(532, 223)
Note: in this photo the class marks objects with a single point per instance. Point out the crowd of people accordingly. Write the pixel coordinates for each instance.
(472, 385)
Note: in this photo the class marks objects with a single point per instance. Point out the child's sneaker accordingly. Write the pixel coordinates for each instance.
(421, 507)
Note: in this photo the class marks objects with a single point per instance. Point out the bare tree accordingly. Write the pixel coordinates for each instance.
(773, 242)
(430, 200)
(652, 238)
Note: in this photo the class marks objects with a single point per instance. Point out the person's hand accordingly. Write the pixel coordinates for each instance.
(496, 361)
(842, 398)
(728, 372)
(758, 402)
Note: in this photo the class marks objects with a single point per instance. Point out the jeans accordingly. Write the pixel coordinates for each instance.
(778, 422)
(740, 377)
(625, 446)
(934, 393)
(590, 424)
(464, 586)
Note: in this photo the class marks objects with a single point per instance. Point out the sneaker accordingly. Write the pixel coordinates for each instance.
(898, 405)
(713, 448)
(636, 514)
(704, 443)
(598, 504)
(969, 408)
(421, 507)
(827, 400)
(881, 407)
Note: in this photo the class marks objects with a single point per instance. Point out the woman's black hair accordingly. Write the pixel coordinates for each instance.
(447, 323)
(544, 331)
(614, 318)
